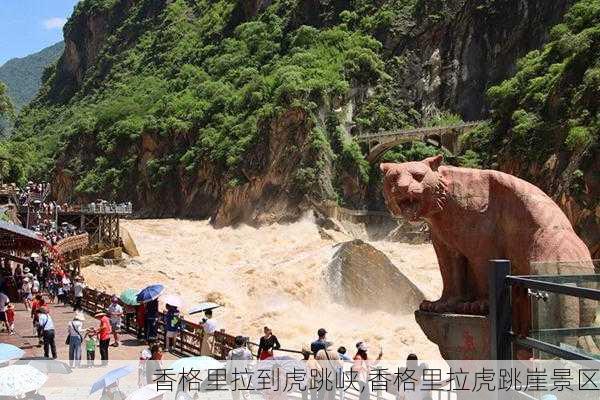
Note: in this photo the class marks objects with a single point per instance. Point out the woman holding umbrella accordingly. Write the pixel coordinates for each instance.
(149, 296)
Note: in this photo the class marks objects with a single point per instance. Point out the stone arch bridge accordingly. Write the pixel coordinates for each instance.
(442, 136)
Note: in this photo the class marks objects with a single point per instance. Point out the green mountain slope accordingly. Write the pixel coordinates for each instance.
(239, 110)
(546, 120)
(23, 76)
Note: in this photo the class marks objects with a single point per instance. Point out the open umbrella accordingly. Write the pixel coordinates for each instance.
(145, 393)
(200, 363)
(45, 365)
(111, 377)
(128, 296)
(16, 380)
(173, 300)
(9, 352)
(207, 305)
(149, 293)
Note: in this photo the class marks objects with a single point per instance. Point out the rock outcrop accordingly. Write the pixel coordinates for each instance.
(128, 245)
(362, 276)
(456, 49)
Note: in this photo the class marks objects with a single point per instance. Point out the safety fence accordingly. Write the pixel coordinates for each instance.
(191, 340)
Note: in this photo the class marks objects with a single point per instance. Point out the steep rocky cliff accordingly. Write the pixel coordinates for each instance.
(457, 49)
(238, 110)
(545, 124)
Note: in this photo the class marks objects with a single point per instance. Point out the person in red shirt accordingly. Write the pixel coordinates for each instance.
(10, 318)
(37, 303)
(103, 332)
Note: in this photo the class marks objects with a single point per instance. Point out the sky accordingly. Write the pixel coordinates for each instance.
(28, 26)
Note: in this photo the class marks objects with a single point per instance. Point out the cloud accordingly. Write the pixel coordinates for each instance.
(54, 23)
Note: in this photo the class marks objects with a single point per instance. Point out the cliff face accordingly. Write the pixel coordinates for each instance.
(231, 109)
(455, 50)
(269, 195)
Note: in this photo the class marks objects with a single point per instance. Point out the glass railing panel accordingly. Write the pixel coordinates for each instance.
(568, 322)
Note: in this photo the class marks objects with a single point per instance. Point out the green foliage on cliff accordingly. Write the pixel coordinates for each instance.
(196, 80)
(552, 101)
(6, 106)
(7, 112)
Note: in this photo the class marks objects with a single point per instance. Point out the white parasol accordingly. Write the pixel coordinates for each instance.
(16, 380)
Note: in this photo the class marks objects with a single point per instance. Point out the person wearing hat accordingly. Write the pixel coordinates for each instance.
(321, 343)
(26, 291)
(103, 332)
(47, 327)
(32, 265)
(75, 339)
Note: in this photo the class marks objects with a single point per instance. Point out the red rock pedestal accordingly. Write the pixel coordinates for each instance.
(459, 337)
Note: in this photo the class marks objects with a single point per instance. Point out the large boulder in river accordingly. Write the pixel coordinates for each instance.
(129, 246)
(362, 276)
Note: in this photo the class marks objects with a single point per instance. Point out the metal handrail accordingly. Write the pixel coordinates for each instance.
(530, 283)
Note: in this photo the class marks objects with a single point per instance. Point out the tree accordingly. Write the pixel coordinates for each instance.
(7, 111)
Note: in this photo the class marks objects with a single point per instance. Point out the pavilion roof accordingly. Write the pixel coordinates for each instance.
(15, 237)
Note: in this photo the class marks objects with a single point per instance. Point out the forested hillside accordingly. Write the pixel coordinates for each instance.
(23, 76)
(546, 120)
(239, 110)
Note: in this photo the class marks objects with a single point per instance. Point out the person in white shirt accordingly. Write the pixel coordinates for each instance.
(27, 296)
(237, 361)
(35, 286)
(115, 313)
(209, 326)
(78, 294)
(47, 327)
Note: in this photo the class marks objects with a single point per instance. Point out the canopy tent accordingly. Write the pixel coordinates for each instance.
(16, 238)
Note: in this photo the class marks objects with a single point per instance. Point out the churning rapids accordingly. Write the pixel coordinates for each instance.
(275, 275)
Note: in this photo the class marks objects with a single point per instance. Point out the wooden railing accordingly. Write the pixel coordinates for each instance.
(188, 342)
(71, 243)
(190, 339)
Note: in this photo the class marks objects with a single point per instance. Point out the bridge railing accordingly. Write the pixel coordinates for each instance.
(103, 208)
(406, 132)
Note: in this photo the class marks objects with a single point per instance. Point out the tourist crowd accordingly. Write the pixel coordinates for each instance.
(44, 288)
